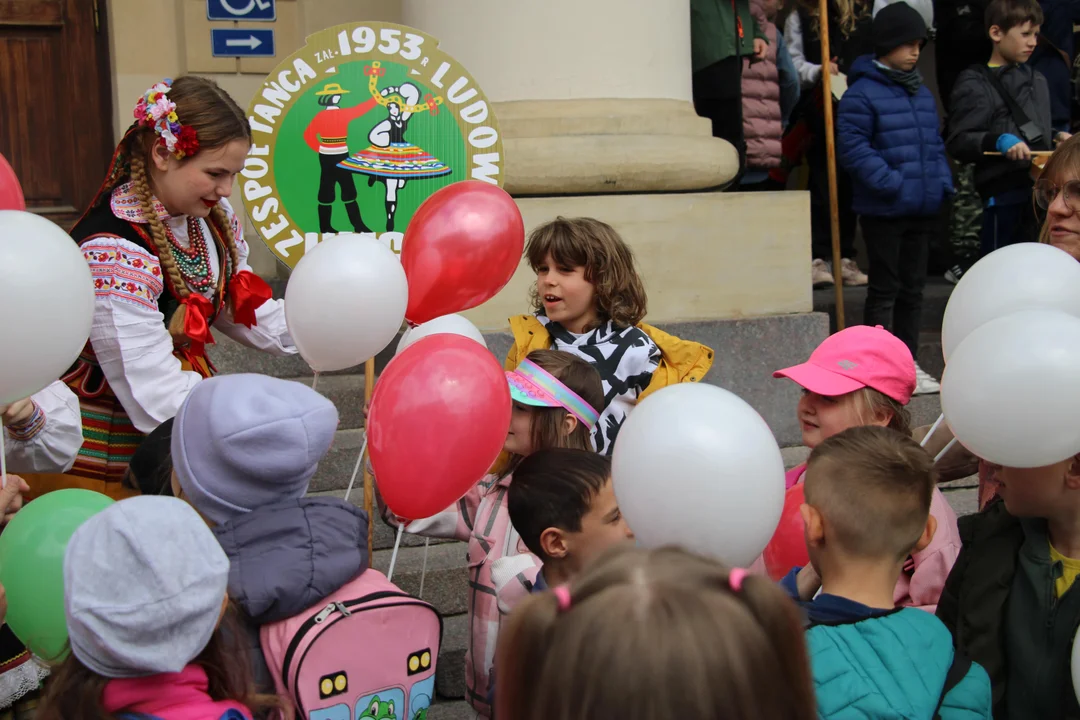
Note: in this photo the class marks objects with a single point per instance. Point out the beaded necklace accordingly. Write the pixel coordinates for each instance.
(193, 262)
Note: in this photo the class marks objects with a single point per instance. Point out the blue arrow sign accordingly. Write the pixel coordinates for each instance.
(242, 42)
(241, 10)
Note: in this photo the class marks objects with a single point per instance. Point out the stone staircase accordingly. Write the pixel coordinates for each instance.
(747, 351)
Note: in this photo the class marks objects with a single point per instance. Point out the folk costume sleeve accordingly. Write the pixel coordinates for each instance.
(49, 441)
(269, 333)
(128, 335)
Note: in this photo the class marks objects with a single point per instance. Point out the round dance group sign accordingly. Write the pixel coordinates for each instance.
(355, 130)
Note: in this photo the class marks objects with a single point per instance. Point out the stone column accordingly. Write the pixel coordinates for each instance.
(592, 96)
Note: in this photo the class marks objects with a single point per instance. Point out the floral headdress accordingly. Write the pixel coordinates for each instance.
(156, 110)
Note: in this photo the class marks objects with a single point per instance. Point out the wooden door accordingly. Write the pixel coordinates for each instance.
(55, 101)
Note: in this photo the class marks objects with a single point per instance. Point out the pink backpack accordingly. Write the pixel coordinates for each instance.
(366, 652)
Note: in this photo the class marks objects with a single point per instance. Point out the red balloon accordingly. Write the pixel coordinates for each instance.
(787, 549)
(461, 247)
(11, 194)
(438, 420)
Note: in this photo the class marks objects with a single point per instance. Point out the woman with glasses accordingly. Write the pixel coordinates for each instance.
(1057, 194)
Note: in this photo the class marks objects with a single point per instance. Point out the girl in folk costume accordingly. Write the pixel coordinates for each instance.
(169, 261)
(390, 157)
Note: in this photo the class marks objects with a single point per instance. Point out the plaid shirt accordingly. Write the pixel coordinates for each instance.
(501, 572)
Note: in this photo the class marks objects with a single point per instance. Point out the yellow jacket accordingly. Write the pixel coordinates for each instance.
(681, 360)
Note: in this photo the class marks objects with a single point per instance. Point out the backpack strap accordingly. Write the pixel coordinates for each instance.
(961, 663)
(1023, 123)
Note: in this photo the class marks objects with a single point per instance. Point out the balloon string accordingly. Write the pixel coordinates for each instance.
(933, 429)
(944, 450)
(423, 570)
(356, 470)
(393, 556)
(3, 459)
(315, 381)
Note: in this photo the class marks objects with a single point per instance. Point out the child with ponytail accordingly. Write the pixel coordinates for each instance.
(652, 635)
(169, 261)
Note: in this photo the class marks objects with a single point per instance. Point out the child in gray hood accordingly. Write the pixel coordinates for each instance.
(244, 449)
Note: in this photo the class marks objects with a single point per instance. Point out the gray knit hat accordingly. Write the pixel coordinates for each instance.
(240, 442)
(144, 584)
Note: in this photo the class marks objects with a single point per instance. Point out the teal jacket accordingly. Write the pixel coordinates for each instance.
(892, 666)
(713, 30)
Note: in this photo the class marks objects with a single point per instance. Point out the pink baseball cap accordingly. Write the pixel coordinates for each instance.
(854, 358)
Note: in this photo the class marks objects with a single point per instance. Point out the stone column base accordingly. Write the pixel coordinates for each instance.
(568, 147)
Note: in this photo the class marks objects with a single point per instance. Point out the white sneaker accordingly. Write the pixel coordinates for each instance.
(851, 274)
(925, 384)
(820, 274)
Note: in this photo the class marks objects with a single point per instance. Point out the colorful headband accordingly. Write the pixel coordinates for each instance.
(532, 385)
(156, 110)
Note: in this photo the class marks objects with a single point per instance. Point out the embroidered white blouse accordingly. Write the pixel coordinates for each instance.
(129, 336)
(49, 441)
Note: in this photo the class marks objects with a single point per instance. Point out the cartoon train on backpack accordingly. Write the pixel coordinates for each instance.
(368, 652)
(386, 704)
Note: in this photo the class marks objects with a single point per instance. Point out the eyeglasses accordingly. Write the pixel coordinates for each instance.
(1046, 192)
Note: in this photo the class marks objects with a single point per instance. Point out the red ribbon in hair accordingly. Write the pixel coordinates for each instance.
(248, 292)
(196, 326)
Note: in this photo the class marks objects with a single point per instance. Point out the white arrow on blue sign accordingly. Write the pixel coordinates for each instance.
(242, 42)
(241, 10)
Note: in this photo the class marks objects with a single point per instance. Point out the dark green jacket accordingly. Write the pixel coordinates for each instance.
(999, 604)
(712, 31)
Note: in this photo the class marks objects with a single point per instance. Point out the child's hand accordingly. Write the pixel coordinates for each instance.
(808, 582)
(1019, 151)
(11, 497)
(17, 412)
(1062, 137)
(834, 68)
(760, 48)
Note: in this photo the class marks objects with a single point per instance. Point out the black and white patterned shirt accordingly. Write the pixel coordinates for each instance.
(625, 357)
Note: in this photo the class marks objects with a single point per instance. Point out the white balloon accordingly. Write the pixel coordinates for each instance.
(695, 466)
(453, 324)
(345, 302)
(1025, 276)
(46, 303)
(1011, 391)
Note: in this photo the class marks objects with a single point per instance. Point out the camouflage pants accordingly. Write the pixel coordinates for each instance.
(965, 223)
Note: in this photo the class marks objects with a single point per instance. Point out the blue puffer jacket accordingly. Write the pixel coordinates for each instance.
(888, 141)
(892, 666)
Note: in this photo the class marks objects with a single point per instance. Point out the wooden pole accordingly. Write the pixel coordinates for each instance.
(830, 148)
(369, 484)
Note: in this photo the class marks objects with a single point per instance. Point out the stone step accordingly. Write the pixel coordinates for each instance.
(347, 394)
(336, 468)
(446, 581)
(451, 710)
(935, 297)
(450, 672)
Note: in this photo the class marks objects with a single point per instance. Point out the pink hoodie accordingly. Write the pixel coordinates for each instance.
(924, 574)
(169, 696)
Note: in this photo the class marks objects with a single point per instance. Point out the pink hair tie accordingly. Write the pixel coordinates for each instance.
(736, 577)
(562, 597)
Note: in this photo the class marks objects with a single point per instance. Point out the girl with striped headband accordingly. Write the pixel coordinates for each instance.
(557, 401)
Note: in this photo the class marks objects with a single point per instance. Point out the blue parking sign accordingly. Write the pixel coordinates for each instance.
(242, 42)
(241, 10)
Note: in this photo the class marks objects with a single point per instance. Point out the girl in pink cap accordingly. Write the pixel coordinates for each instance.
(861, 376)
(557, 401)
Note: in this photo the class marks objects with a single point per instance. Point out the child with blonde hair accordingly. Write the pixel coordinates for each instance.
(867, 511)
(865, 376)
(652, 635)
(557, 399)
(590, 301)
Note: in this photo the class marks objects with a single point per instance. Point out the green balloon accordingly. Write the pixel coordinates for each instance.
(32, 566)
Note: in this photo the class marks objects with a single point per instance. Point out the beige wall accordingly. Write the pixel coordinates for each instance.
(564, 49)
(701, 255)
